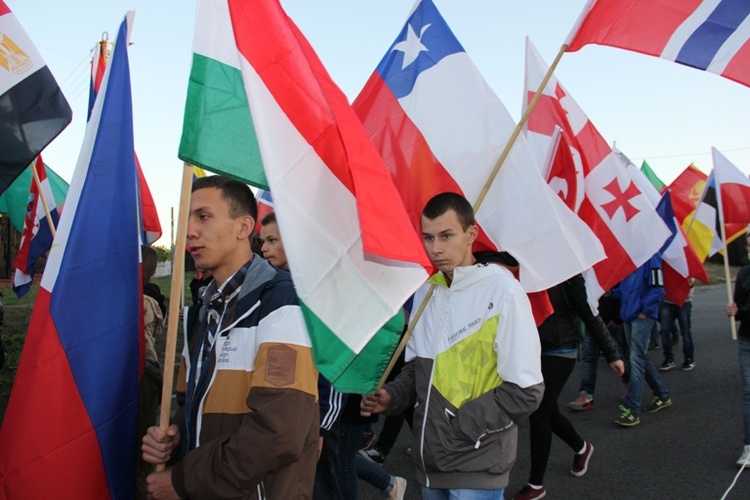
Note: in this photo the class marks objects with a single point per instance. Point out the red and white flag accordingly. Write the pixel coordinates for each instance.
(710, 35)
(610, 201)
(733, 189)
(440, 127)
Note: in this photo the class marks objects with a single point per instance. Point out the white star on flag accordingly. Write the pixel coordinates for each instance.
(412, 46)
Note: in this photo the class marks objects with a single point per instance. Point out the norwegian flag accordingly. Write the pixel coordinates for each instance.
(265, 204)
(610, 202)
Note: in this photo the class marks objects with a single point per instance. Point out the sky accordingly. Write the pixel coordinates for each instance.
(654, 110)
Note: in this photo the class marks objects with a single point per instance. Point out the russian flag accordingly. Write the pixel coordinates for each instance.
(37, 235)
(70, 426)
(710, 35)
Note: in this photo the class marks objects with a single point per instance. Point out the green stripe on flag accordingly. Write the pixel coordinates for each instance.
(218, 132)
(349, 372)
(652, 177)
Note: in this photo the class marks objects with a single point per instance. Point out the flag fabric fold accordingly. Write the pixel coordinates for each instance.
(151, 227)
(609, 201)
(709, 35)
(34, 110)
(734, 190)
(440, 127)
(680, 263)
(36, 238)
(78, 374)
(353, 254)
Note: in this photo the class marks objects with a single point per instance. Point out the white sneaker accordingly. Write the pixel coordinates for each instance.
(399, 488)
(744, 460)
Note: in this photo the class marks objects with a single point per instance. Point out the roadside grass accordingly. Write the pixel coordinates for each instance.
(18, 314)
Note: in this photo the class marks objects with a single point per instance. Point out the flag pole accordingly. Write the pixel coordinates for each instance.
(519, 127)
(480, 199)
(38, 183)
(178, 271)
(727, 276)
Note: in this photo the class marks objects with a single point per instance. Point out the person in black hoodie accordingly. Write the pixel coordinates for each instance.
(560, 335)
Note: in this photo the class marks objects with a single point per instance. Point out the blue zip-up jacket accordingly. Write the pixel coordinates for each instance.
(641, 291)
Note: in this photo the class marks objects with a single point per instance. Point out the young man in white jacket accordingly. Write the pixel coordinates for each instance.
(473, 364)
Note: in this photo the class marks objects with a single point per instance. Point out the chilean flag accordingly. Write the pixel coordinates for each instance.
(440, 127)
(710, 35)
(733, 188)
(151, 226)
(70, 427)
(36, 238)
(610, 202)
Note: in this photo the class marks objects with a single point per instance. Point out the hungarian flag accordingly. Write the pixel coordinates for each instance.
(14, 201)
(70, 427)
(652, 177)
(34, 110)
(680, 263)
(354, 257)
(734, 190)
(440, 127)
(36, 238)
(709, 35)
(149, 216)
(610, 202)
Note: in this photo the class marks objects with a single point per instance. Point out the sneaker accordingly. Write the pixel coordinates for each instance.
(399, 488)
(744, 460)
(584, 402)
(528, 492)
(627, 418)
(688, 365)
(373, 455)
(666, 365)
(368, 439)
(658, 403)
(581, 461)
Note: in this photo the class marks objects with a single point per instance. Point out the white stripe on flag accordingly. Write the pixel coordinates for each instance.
(730, 47)
(687, 28)
(214, 37)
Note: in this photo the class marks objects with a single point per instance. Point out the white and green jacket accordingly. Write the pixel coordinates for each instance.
(473, 372)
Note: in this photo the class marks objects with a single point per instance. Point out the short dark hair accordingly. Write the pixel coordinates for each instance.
(441, 203)
(238, 195)
(149, 258)
(268, 218)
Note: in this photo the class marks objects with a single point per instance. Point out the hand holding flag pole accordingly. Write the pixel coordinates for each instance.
(176, 290)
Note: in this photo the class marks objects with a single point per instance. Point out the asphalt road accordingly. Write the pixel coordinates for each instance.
(686, 451)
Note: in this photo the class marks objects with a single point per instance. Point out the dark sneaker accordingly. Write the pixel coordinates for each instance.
(658, 403)
(627, 418)
(666, 365)
(528, 492)
(373, 455)
(584, 402)
(688, 365)
(581, 461)
(653, 345)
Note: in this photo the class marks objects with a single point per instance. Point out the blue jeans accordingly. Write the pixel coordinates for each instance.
(461, 494)
(638, 333)
(353, 467)
(743, 347)
(667, 314)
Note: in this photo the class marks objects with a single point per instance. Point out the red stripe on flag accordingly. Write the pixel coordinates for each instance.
(738, 69)
(639, 25)
(735, 202)
(3, 8)
(68, 446)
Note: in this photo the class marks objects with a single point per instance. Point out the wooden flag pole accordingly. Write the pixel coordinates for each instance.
(480, 199)
(178, 271)
(38, 183)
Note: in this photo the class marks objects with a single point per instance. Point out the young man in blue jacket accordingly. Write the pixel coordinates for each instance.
(641, 293)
